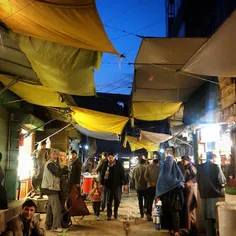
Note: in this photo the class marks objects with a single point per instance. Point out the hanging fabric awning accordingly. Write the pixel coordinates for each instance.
(13, 61)
(62, 68)
(177, 118)
(99, 121)
(136, 144)
(154, 137)
(157, 65)
(154, 110)
(32, 122)
(217, 56)
(69, 22)
(98, 135)
(35, 94)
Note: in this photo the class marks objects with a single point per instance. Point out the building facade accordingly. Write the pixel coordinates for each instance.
(196, 18)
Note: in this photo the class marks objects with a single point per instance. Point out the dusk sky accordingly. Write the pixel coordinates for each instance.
(145, 18)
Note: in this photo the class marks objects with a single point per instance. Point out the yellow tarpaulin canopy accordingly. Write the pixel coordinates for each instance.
(35, 94)
(136, 144)
(69, 22)
(62, 68)
(99, 121)
(154, 110)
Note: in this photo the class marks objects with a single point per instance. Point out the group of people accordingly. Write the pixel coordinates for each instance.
(176, 185)
(50, 173)
(144, 179)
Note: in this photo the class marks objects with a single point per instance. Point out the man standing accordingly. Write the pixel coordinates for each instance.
(211, 181)
(151, 176)
(42, 158)
(51, 188)
(3, 194)
(25, 224)
(113, 177)
(190, 194)
(99, 170)
(75, 169)
(140, 185)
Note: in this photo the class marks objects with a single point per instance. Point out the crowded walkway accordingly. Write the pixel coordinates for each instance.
(128, 212)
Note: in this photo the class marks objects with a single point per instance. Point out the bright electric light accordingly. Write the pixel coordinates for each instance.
(86, 147)
(80, 146)
(162, 150)
(210, 133)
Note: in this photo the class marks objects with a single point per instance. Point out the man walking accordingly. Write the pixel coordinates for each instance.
(211, 181)
(140, 185)
(113, 177)
(151, 176)
(99, 170)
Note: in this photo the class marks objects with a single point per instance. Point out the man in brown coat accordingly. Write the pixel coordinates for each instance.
(25, 224)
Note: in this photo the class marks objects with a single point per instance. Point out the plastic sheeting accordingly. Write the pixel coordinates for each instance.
(154, 110)
(98, 135)
(69, 22)
(157, 76)
(154, 137)
(99, 121)
(217, 57)
(136, 144)
(62, 68)
(35, 94)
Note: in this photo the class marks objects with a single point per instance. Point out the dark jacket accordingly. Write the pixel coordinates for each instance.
(116, 177)
(75, 172)
(19, 227)
(210, 179)
(100, 168)
(1, 175)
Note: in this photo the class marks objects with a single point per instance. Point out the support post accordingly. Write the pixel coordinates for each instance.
(195, 148)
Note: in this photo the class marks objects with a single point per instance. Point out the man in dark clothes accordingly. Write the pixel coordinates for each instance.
(113, 177)
(3, 194)
(140, 184)
(99, 170)
(151, 176)
(75, 169)
(211, 181)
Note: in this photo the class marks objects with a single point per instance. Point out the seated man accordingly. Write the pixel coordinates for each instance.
(25, 224)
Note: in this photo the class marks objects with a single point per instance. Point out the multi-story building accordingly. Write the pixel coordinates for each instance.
(196, 18)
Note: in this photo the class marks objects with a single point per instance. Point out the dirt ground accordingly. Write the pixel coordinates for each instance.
(128, 208)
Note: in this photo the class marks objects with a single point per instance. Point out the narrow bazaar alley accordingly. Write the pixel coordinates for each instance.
(128, 223)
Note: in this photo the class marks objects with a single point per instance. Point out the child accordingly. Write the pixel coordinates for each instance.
(96, 194)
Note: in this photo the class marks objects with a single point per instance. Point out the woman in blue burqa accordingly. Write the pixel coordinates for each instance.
(169, 190)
